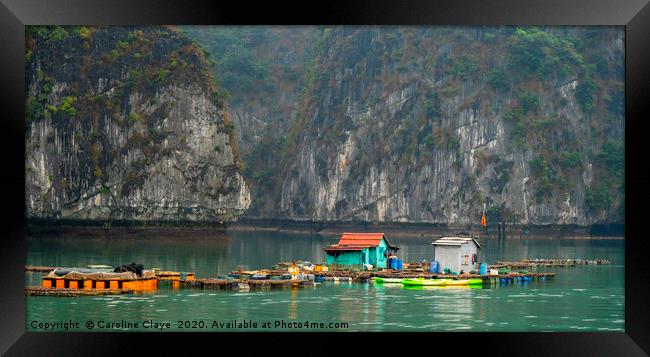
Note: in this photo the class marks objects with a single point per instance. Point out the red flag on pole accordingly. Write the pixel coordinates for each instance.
(483, 220)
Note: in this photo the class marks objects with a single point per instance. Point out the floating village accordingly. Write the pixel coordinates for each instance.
(355, 258)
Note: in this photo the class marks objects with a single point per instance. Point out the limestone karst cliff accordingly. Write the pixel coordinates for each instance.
(372, 124)
(127, 124)
(432, 124)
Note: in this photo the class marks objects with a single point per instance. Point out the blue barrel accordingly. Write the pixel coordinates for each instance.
(393, 264)
(483, 269)
(435, 267)
(399, 264)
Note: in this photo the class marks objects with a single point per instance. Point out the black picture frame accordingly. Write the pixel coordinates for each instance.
(634, 15)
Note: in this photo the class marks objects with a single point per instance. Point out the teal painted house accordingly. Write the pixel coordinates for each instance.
(356, 249)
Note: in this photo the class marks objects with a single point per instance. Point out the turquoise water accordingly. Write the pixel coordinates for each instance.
(584, 298)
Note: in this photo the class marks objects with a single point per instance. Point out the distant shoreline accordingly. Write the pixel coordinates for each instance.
(329, 229)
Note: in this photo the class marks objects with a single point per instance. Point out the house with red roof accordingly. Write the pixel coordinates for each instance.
(354, 250)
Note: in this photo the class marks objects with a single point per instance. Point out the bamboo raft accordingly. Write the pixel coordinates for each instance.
(40, 291)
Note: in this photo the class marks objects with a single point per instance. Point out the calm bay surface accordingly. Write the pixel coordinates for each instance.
(583, 298)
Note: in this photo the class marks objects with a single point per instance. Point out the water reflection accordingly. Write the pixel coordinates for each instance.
(293, 305)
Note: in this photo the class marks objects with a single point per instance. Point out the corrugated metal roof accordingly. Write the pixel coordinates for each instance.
(358, 241)
(455, 241)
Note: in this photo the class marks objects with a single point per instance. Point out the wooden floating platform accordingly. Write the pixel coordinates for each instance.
(245, 284)
(99, 282)
(78, 284)
(40, 291)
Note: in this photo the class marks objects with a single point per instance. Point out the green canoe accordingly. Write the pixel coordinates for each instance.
(465, 282)
(380, 280)
(425, 282)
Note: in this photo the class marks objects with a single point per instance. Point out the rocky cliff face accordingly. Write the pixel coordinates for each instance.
(388, 124)
(127, 124)
(263, 70)
(434, 124)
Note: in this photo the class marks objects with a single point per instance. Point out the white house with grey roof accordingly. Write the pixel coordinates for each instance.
(457, 253)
